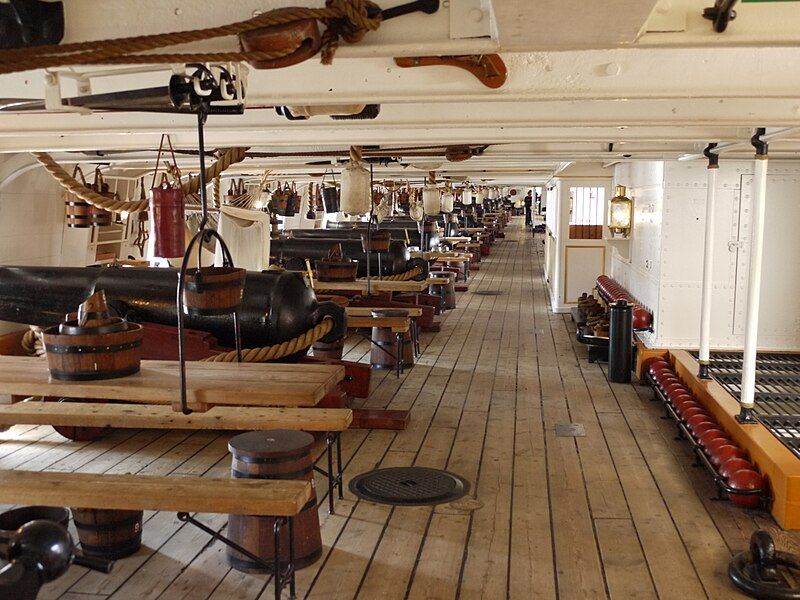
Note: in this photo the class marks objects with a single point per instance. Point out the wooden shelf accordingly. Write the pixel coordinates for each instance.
(158, 382)
(376, 285)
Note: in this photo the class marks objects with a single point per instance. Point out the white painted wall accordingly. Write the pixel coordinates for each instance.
(664, 269)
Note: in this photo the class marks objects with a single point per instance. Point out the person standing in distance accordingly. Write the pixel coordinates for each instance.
(528, 205)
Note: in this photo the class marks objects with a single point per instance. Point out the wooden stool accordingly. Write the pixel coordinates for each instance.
(274, 454)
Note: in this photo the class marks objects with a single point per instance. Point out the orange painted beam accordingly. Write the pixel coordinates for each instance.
(776, 462)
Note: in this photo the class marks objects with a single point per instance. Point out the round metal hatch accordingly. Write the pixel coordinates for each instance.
(409, 486)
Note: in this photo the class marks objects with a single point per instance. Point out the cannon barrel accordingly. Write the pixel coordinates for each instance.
(403, 227)
(292, 252)
(277, 306)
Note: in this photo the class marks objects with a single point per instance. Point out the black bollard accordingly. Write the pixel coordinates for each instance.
(620, 342)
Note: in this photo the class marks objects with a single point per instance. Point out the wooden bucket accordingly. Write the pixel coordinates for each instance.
(110, 534)
(93, 355)
(80, 214)
(274, 454)
(384, 348)
(329, 270)
(333, 349)
(78, 433)
(377, 241)
(213, 290)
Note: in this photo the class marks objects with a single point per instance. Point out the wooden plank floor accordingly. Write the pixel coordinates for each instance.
(618, 513)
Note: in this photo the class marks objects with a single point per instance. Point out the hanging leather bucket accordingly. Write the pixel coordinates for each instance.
(330, 195)
(167, 225)
(167, 220)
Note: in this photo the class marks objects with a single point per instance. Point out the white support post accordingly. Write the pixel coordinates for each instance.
(748, 388)
(708, 263)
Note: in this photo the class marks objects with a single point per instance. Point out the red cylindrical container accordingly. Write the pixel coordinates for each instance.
(167, 222)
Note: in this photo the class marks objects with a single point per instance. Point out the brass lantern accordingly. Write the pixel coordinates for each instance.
(620, 214)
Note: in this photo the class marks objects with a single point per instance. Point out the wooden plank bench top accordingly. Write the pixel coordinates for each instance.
(396, 324)
(158, 382)
(437, 281)
(456, 238)
(376, 285)
(143, 416)
(273, 497)
(366, 311)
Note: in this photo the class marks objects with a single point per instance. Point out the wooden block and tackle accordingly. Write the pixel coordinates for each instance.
(144, 416)
(158, 382)
(268, 497)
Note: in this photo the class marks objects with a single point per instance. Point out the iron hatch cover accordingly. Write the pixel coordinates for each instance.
(489, 293)
(409, 486)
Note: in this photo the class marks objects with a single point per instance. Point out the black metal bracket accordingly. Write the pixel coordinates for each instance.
(703, 372)
(756, 571)
(282, 576)
(762, 147)
(335, 480)
(713, 157)
(25, 23)
(721, 13)
(746, 416)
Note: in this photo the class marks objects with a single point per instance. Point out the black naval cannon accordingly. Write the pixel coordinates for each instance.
(277, 306)
(292, 252)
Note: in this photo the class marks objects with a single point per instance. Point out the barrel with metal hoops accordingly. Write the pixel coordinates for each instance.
(274, 454)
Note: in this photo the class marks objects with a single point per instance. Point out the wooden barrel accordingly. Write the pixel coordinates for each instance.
(274, 454)
(93, 356)
(446, 291)
(77, 433)
(80, 215)
(110, 534)
(382, 337)
(213, 290)
(332, 349)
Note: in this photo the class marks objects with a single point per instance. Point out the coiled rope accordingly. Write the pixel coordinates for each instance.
(268, 353)
(68, 182)
(404, 276)
(349, 20)
(32, 342)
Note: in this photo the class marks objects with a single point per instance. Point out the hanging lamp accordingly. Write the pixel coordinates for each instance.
(431, 198)
(447, 199)
(356, 192)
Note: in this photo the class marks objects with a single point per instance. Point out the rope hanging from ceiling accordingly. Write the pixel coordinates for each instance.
(344, 19)
(229, 157)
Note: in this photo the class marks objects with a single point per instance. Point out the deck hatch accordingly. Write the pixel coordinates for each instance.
(489, 293)
(409, 486)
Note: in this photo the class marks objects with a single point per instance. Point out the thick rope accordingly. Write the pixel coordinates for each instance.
(269, 353)
(32, 342)
(404, 276)
(115, 204)
(345, 19)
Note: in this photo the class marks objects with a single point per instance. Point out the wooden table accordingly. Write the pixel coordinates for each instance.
(376, 285)
(158, 382)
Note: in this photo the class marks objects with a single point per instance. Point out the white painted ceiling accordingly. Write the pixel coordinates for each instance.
(597, 81)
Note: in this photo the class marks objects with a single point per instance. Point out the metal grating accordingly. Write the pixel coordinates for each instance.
(786, 428)
(409, 486)
(777, 380)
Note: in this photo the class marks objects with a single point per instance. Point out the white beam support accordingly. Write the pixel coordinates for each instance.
(708, 268)
(748, 388)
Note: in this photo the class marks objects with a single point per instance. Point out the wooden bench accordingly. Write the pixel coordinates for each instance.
(279, 498)
(143, 416)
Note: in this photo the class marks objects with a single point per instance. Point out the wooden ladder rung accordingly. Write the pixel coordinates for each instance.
(140, 416)
(275, 497)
